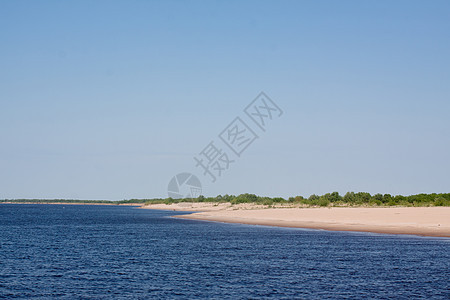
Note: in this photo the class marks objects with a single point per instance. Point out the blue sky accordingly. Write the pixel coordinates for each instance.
(111, 99)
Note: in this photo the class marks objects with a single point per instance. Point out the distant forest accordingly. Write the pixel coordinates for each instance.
(329, 199)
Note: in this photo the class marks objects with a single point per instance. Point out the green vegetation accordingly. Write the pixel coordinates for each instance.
(329, 199)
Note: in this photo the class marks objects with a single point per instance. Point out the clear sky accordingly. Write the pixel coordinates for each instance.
(111, 99)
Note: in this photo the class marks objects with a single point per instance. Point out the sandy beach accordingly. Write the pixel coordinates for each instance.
(426, 221)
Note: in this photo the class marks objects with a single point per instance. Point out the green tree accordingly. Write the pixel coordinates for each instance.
(334, 197)
(440, 201)
(323, 201)
(349, 197)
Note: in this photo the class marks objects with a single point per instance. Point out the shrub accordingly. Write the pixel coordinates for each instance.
(323, 201)
(278, 199)
(440, 201)
(268, 202)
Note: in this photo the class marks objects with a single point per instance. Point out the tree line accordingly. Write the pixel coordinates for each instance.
(329, 199)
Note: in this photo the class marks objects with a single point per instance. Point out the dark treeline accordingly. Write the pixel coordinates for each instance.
(50, 201)
(73, 201)
(329, 199)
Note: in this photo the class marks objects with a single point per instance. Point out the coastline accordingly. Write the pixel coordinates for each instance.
(72, 203)
(423, 221)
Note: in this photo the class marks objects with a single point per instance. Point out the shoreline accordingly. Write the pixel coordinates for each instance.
(68, 203)
(422, 221)
(321, 226)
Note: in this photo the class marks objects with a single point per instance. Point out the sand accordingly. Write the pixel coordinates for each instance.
(426, 221)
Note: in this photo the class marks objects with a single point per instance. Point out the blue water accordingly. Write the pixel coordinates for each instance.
(95, 252)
